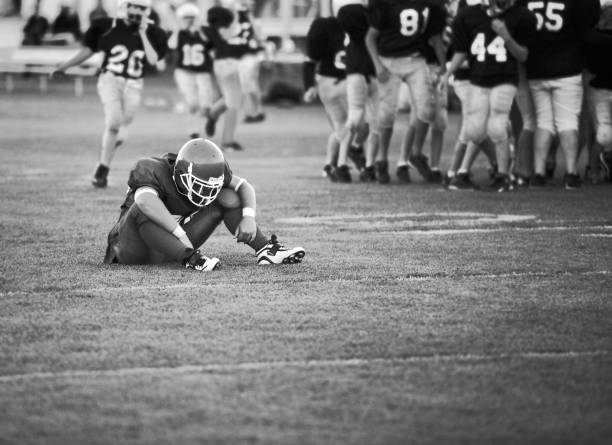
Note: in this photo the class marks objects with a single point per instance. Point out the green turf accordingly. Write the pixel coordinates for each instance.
(416, 317)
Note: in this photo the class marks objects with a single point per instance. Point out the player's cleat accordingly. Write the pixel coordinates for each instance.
(521, 181)
(382, 172)
(197, 261)
(550, 169)
(462, 182)
(275, 253)
(329, 172)
(252, 119)
(605, 160)
(100, 178)
(492, 170)
(210, 126)
(194, 136)
(118, 143)
(539, 181)
(368, 174)
(403, 174)
(572, 182)
(357, 155)
(436, 177)
(421, 163)
(501, 183)
(343, 174)
(232, 146)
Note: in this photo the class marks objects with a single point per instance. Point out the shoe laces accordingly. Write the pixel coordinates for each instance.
(274, 245)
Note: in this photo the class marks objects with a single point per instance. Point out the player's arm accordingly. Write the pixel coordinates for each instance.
(147, 200)
(519, 51)
(150, 52)
(457, 60)
(371, 38)
(247, 229)
(80, 57)
(437, 43)
(309, 69)
(173, 39)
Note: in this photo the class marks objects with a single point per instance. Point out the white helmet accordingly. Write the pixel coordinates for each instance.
(188, 10)
(134, 11)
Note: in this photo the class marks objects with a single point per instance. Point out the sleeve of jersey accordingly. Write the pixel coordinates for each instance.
(586, 15)
(375, 17)
(315, 40)
(228, 175)
(437, 21)
(459, 36)
(527, 30)
(92, 35)
(160, 42)
(143, 175)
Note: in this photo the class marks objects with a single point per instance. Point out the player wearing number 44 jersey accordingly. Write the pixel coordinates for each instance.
(194, 66)
(494, 39)
(128, 42)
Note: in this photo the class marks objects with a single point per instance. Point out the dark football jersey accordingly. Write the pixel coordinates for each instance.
(491, 63)
(247, 32)
(193, 51)
(354, 22)
(600, 43)
(405, 26)
(557, 49)
(325, 44)
(122, 46)
(157, 173)
(232, 48)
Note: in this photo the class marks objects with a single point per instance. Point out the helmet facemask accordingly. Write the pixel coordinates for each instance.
(134, 12)
(201, 192)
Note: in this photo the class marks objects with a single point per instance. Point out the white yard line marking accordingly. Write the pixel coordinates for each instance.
(431, 232)
(597, 235)
(404, 278)
(450, 217)
(307, 364)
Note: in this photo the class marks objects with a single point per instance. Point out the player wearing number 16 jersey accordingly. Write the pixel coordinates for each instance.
(494, 39)
(128, 42)
(194, 66)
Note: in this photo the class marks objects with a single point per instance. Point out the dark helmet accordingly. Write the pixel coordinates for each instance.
(199, 171)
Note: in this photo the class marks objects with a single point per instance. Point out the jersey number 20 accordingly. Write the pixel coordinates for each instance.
(411, 22)
(120, 55)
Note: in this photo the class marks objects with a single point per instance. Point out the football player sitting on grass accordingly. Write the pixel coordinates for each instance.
(175, 202)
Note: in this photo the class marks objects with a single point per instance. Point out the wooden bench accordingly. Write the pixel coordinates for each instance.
(41, 60)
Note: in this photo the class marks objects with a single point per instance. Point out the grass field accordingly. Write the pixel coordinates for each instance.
(418, 315)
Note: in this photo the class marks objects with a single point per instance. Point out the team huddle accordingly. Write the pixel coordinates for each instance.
(530, 75)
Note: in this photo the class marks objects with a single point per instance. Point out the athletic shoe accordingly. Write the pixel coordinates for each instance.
(118, 143)
(232, 146)
(329, 172)
(572, 182)
(199, 262)
(100, 178)
(462, 182)
(275, 253)
(421, 163)
(194, 135)
(382, 172)
(492, 170)
(260, 117)
(368, 174)
(605, 158)
(539, 181)
(521, 181)
(403, 174)
(343, 174)
(357, 155)
(550, 169)
(501, 184)
(436, 177)
(210, 127)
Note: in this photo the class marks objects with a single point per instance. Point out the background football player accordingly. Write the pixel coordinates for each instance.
(399, 31)
(175, 202)
(193, 72)
(128, 42)
(554, 72)
(494, 39)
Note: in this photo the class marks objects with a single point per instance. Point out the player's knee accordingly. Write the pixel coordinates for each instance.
(386, 117)
(441, 121)
(426, 113)
(604, 135)
(475, 131)
(497, 128)
(114, 122)
(567, 123)
(228, 199)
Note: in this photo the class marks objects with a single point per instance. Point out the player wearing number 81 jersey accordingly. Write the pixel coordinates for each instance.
(194, 66)
(494, 39)
(128, 42)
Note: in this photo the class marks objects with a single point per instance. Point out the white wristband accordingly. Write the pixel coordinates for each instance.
(179, 232)
(248, 211)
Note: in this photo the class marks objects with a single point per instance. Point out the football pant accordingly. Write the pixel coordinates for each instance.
(196, 89)
(332, 93)
(601, 104)
(488, 113)
(120, 98)
(362, 97)
(557, 103)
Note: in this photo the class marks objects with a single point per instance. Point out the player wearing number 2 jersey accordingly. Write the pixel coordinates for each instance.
(194, 66)
(128, 42)
(554, 73)
(494, 39)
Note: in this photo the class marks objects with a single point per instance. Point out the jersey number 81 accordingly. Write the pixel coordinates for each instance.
(411, 23)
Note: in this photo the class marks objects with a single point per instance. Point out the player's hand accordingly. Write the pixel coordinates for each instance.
(443, 83)
(499, 26)
(185, 240)
(247, 229)
(383, 75)
(310, 95)
(144, 24)
(57, 72)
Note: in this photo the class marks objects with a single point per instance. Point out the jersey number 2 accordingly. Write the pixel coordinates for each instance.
(410, 21)
(118, 58)
(496, 48)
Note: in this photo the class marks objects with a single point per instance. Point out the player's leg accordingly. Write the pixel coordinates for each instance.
(356, 93)
(602, 112)
(249, 79)
(334, 99)
(205, 94)
(545, 129)
(438, 129)
(501, 100)
(387, 110)
(186, 84)
(462, 90)
(217, 108)
(567, 103)
(524, 147)
(226, 71)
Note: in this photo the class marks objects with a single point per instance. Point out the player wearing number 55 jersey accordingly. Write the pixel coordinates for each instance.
(494, 39)
(194, 66)
(554, 72)
(128, 42)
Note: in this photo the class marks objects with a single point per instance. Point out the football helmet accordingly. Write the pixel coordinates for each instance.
(199, 171)
(134, 11)
(187, 10)
(496, 7)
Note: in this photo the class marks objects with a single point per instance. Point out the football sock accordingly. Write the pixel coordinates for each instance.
(232, 218)
(402, 163)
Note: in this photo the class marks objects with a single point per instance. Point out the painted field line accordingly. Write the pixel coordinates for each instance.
(301, 364)
(416, 277)
(432, 232)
